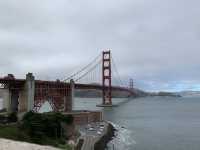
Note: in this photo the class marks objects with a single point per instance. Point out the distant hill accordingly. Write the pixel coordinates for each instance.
(116, 94)
(189, 93)
(170, 94)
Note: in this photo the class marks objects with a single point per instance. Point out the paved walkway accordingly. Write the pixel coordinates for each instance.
(15, 145)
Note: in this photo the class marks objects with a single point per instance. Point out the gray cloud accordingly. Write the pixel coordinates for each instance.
(155, 42)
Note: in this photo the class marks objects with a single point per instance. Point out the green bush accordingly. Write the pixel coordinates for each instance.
(12, 117)
(44, 129)
(39, 126)
(69, 119)
(3, 119)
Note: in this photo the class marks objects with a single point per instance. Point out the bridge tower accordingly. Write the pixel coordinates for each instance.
(106, 78)
(131, 84)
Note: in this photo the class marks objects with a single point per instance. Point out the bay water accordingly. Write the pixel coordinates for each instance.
(151, 123)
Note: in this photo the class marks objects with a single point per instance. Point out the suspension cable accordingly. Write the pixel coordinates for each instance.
(90, 70)
(115, 68)
(81, 70)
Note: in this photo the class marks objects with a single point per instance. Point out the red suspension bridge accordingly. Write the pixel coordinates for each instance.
(29, 94)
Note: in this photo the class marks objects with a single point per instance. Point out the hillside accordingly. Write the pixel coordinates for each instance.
(115, 94)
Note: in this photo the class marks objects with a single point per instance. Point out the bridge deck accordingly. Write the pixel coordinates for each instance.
(20, 82)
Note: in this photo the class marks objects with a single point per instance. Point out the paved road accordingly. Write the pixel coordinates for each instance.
(91, 133)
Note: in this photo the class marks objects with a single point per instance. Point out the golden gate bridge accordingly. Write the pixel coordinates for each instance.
(100, 74)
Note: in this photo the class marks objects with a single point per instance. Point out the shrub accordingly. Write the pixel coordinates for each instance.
(3, 119)
(12, 117)
(69, 119)
(39, 126)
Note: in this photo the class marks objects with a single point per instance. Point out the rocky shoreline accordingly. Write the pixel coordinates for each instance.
(103, 141)
(94, 141)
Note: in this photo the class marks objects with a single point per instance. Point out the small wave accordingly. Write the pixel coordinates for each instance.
(123, 139)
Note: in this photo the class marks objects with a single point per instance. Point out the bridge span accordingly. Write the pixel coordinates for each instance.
(22, 95)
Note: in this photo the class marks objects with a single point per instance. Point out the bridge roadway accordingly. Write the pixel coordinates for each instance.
(19, 83)
(99, 87)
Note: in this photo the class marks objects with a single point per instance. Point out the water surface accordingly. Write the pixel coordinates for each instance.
(152, 123)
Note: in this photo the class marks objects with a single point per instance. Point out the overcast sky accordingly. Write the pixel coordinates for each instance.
(156, 42)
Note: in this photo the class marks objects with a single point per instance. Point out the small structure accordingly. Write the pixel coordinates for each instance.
(84, 117)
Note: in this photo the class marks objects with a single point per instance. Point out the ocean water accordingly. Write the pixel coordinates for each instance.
(151, 123)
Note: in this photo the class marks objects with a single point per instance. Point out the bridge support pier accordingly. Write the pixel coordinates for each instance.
(69, 99)
(26, 96)
(5, 95)
(16, 98)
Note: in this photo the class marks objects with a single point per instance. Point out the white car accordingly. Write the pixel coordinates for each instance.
(91, 129)
(101, 127)
(98, 132)
(101, 130)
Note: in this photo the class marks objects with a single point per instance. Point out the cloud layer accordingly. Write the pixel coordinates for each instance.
(155, 42)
